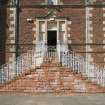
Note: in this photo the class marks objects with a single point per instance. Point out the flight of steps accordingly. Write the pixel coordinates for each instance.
(53, 79)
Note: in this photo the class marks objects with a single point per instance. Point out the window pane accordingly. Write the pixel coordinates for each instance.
(52, 2)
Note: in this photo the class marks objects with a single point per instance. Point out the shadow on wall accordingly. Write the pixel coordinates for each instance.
(3, 25)
(70, 48)
(3, 2)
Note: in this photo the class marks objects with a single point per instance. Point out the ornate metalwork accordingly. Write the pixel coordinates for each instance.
(68, 59)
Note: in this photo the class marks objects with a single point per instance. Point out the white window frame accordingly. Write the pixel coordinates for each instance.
(46, 29)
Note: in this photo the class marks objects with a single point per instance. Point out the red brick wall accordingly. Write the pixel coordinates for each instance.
(72, 1)
(77, 16)
(100, 1)
(77, 32)
(98, 36)
(26, 35)
(34, 2)
(31, 2)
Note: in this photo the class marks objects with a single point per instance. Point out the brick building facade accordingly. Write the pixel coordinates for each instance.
(77, 24)
(84, 27)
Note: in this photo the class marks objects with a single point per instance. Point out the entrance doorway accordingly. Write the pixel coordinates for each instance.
(51, 43)
(52, 38)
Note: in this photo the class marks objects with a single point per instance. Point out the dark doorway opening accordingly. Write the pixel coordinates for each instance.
(51, 38)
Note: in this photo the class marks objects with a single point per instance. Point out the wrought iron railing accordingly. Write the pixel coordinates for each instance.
(28, 60)
(78, 64)
(36, 57)
(51, 52)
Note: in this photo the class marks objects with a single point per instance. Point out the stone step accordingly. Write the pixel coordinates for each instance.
(52, 79)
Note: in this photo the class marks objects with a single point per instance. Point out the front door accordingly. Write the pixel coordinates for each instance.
(52, 38)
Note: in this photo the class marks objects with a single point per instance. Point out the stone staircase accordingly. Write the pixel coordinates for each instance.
(51, 78)
(47, 70)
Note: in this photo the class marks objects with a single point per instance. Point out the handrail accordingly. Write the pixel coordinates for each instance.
(22, 63)
(78, 64)
(69, 59)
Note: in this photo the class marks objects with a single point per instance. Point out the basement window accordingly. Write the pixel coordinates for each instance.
(52, 2)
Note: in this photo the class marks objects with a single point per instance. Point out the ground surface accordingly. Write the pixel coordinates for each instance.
(96, 99)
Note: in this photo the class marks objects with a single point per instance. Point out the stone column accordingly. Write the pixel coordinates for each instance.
(45, 37)
(66, 34)
(34, 30)
(104, 31)
(69, 32)
(12, 35)
(46, 1)
(37, 30)
(58, 39)
(89, 35)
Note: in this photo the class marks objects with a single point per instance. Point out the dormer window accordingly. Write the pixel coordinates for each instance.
(53, 2)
